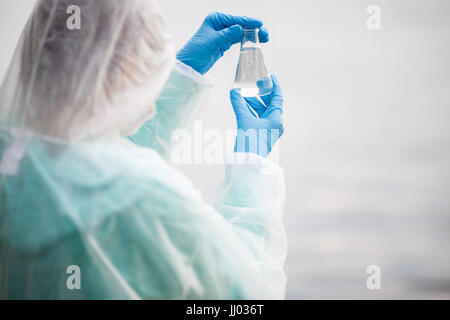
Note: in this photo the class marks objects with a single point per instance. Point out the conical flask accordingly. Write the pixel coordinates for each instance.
(251, 74)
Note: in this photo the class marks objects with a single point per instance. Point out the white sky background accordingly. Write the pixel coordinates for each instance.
(367, 147)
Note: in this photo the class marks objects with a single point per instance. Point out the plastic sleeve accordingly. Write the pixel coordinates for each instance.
(178, 103)
(252, 198)
(176, 246)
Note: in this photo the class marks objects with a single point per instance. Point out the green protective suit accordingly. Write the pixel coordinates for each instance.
(113, 220)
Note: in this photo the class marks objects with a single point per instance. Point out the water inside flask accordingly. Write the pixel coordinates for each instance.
(251, 74)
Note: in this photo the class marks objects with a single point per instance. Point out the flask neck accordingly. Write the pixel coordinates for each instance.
(250, 38)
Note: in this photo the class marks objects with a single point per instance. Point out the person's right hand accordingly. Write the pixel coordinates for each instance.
(263, 130)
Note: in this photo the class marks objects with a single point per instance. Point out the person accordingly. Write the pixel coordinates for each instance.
(89, 206)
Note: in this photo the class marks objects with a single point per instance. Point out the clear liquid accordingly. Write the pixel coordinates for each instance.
(248, 91)
(251, 75)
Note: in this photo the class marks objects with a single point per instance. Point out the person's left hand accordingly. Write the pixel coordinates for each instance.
(216, 35)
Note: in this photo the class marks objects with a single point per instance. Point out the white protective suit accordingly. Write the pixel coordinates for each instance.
(75, 194)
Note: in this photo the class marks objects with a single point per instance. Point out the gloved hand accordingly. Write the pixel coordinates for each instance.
(216, 35)
(261, 128)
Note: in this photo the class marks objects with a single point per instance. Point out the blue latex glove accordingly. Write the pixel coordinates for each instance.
(259, 123)
(216, 35)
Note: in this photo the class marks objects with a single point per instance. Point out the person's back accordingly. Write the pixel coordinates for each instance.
(133, 226)
(62, 209)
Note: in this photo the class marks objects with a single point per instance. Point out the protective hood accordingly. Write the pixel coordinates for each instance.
(84, 70)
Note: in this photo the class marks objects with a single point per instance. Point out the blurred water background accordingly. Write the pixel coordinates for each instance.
(367, 147)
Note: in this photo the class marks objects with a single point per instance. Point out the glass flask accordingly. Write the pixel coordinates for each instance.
(251, 74)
